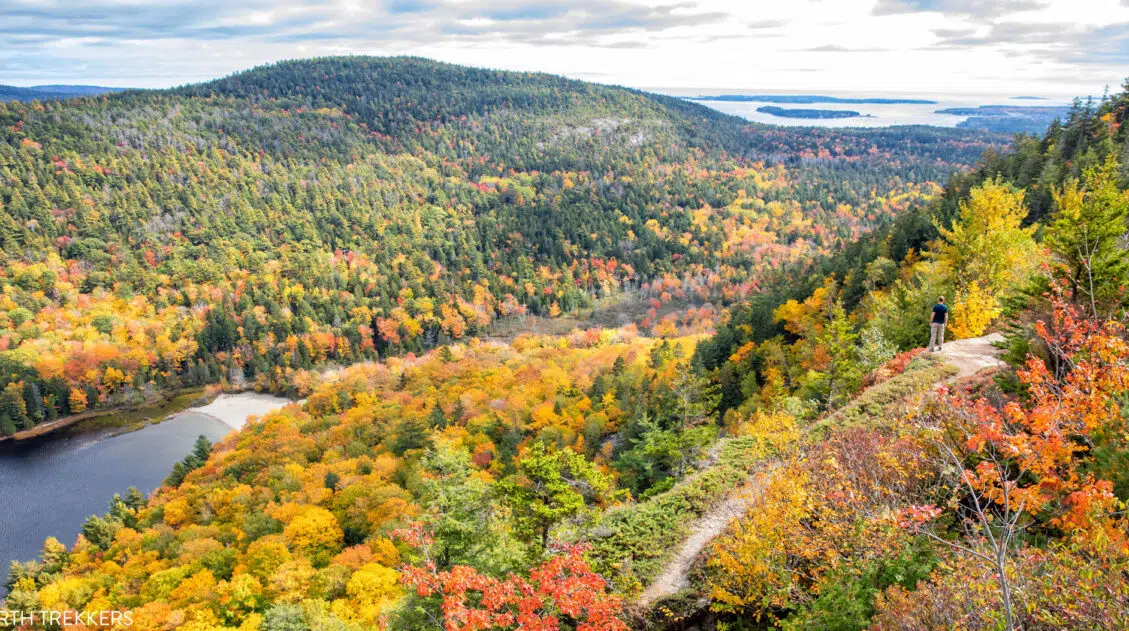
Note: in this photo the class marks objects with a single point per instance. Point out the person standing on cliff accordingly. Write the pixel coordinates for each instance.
(937, 325)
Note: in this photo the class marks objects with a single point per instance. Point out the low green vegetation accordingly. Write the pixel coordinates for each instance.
(631, 544)
(138, 417)
(873, 406)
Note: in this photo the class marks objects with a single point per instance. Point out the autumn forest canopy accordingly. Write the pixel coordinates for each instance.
(338, 210)
(743, 308)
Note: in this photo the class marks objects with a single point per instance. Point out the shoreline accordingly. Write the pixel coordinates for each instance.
(73, 420)
(229, 408)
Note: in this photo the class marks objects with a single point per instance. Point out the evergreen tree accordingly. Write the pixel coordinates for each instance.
(842, 375)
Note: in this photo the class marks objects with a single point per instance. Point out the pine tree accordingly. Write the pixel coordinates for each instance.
(842, 375)
(411, 434)
(436, 418)
(13, 406)
(202, 448)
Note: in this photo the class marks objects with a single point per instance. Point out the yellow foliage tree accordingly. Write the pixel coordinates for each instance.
(384, 552)
(113, 378)
(265, 555)
(292, 580)
(371, 589)
(66, 593)
(315, 530)
(198, 588)
(239, 597)
(987, 243)
(975, 309)
(76, 401)
(751, 568)
(775, 431)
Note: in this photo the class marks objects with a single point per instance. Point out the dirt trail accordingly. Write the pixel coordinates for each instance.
(674, 576)
(969, 356)
(972, 355)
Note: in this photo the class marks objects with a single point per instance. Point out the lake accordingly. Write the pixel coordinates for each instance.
(50, 485)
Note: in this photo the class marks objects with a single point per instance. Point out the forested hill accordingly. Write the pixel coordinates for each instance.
(325, 211)
(168, 238)
(398, 96)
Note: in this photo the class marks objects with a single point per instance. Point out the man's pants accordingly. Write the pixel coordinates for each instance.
(936, 335)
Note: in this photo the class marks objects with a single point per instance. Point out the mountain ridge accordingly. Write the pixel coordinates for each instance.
(52, 92)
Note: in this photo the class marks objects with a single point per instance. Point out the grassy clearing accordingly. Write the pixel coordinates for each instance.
(131, 419)
(873, 405)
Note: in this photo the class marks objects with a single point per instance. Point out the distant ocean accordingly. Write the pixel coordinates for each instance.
(874, 114)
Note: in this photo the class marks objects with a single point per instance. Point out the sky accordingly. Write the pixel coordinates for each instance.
(1037, 47)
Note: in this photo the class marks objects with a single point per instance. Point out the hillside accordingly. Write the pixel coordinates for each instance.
(253, 228)
(995, 502)
(254, 232)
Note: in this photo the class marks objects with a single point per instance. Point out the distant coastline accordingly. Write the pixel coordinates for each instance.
(1001, 110)
(807, 113)
(807, 99)
(1011, 119)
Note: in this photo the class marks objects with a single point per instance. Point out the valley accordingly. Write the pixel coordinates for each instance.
(565, 356)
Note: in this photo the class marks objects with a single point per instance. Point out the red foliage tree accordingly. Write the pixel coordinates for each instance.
(562, 592)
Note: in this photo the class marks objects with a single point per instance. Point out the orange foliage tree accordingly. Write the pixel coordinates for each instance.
(1020, 464)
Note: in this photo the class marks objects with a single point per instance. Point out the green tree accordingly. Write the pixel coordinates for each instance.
(285, 617)
(458, 510)
(13, 406)
(436, 419)
(100, 531)
(842, 374)
(1087, 237)
(695, 398)
(412, 433)
(201, 450)
(548, 488)
(874, 349)
(658, 456)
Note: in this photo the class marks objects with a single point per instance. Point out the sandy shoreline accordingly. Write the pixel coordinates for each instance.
(233, 409)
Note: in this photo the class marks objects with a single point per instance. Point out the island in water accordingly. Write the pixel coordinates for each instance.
(808, 113)
(807, 99)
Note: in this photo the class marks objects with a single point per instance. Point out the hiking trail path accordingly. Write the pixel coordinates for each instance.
(969, 356)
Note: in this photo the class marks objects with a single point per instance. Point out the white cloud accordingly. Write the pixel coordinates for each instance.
(1053, 47)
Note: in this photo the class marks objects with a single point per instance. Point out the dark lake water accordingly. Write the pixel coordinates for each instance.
(50, 486)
